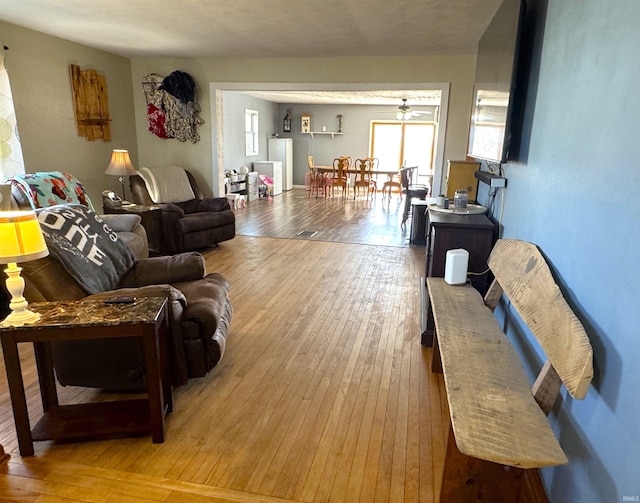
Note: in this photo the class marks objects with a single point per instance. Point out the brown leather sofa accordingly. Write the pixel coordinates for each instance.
(128, 227)
(199, 316)
(190, 225)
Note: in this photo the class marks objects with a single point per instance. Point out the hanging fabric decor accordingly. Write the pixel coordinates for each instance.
(11, 161)
(172, 108)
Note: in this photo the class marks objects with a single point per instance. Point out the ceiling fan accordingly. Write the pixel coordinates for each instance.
(405, 112)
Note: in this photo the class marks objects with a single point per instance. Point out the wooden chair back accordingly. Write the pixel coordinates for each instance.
(363, 168)
(340, 167)
(406, 176)
(522, 273)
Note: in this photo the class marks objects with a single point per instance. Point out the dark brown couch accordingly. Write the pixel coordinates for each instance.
(190, 225)
(199, 316)
(128, 227)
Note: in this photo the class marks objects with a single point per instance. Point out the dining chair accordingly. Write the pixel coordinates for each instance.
(393, 184)
(340, 176)
(410, 190)
(314, 180)
(373, 168)
(364, 177)
(310, 178)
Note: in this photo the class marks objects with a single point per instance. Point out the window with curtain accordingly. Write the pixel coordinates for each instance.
(11, 162)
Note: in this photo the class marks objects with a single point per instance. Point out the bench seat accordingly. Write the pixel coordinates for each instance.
(493, 413)
(499, 431)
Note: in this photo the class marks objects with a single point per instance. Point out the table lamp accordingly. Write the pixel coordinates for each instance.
(120, 166)
(21, 240)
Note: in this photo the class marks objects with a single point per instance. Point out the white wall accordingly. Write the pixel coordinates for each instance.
(38, 67)
(234, 140)
(202, 158)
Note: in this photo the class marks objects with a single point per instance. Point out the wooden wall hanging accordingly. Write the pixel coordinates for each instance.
(90, 103)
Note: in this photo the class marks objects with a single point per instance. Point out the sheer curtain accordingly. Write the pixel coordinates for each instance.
(11, 161)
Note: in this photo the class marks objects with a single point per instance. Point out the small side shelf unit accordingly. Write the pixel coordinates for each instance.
(239, 186)
(332, 133)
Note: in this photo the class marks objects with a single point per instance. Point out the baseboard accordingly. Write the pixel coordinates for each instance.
(532, 488)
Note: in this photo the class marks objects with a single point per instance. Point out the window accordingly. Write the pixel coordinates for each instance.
(251, 132)
(11, 162)
(395, 143)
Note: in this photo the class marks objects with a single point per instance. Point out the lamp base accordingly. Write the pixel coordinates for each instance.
(19, 315)
(20, 318)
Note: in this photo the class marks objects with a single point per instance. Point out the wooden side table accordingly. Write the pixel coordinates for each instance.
(151, 221)
(90, 319)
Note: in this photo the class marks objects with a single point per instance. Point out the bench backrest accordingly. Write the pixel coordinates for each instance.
(522, 273)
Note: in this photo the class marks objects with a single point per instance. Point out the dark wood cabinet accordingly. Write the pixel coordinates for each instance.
(448, 231)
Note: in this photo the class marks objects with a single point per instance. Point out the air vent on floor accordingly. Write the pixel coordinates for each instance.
(306, 234)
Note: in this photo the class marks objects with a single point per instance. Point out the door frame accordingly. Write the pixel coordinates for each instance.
(218, 89)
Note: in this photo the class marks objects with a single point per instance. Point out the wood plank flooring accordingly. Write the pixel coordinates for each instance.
(339, 219)
(324, 393)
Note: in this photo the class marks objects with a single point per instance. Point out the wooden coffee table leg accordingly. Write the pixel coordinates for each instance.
(154, 385)
(16, 391)
(46, 376)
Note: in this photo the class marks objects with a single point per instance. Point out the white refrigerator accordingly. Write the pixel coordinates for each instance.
(272, 169)
(281, 149)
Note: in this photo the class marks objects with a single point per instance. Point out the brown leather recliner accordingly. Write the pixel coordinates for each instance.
(199, 316)
(189, 225)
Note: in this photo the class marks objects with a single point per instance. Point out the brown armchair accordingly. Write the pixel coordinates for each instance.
(199, 316)
(189, 225)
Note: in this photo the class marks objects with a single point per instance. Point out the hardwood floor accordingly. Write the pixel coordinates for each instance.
(337, 219)
(324, 393)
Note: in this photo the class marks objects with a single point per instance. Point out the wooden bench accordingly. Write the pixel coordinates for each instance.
(498, 421)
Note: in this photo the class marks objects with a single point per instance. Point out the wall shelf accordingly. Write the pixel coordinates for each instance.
(491, 179)
(332, 133)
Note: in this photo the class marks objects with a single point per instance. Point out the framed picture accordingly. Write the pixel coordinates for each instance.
(305, 123)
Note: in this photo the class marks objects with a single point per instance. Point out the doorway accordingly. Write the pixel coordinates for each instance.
(217, 91)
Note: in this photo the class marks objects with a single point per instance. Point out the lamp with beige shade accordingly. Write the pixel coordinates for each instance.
(121, 166)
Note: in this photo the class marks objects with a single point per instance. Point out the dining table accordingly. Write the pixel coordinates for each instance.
(353, 171)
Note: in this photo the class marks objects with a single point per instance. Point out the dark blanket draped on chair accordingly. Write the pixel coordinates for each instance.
(410, 190)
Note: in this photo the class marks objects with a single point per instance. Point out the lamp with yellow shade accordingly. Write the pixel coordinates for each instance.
(21, 240)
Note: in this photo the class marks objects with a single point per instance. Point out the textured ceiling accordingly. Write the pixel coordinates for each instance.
(224, 28)
(256, 28)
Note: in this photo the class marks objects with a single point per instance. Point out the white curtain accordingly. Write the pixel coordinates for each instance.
(11, 161)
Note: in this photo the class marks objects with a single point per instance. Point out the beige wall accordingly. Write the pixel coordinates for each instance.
(39, 70)
(153, 151)
(38, 67)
